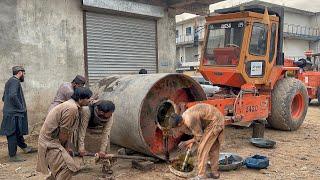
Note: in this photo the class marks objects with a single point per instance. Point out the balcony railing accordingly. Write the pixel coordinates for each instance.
(188, 39)
(301, 32)
(184, 39)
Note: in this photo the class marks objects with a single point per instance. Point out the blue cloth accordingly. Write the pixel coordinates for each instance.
(257, 162)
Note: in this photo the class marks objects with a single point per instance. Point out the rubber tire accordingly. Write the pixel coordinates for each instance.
(318, 95)
(281, 99)
(310, 101)
(182, 174)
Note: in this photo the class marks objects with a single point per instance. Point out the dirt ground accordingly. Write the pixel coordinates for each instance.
(296, 156)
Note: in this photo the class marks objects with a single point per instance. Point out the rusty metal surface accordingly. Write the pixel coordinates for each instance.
(137, 99)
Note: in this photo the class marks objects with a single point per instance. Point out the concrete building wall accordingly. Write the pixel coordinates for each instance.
(178, 49)
(298, 19)
(201, 21)
(295, 48)
(182, 28)
(315, 21)
(179, 28)
(316, 24)
(46, 37)
(166, 36)
(187, 25)
(315, 46)
(185, 55)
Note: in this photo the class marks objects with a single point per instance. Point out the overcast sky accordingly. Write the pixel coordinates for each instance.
(308, 5)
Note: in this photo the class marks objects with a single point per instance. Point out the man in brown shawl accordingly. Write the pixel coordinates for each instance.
(54, 137)
(206, 124)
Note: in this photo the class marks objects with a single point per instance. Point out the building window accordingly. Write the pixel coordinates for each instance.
(258, 42)
(272, 41)
(177, 33)
(188, 31)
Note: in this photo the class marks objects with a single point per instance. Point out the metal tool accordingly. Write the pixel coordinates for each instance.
(186, 159)
(165, 132)
(115, 156)
(108, 160)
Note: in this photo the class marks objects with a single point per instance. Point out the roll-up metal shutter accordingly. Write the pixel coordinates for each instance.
(119, 45)
(191, 53)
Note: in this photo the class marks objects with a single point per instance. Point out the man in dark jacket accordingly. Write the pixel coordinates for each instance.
(15, 122)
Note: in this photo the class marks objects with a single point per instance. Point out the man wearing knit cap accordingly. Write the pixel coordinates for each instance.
(66, 90)
(15, 121)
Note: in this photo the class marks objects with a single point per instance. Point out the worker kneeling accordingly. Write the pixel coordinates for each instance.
(55, 135)
(206, 124)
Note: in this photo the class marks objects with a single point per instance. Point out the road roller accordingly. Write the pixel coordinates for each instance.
(242, 54)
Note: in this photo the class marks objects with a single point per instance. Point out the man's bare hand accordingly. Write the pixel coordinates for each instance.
(182, 107)
(186, 144)
(82, 153)
(94, 99)
(70, 151)
(95, 96)
(102, 154)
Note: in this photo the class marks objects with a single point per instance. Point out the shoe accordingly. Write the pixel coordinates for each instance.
(215, 175)
(29, 150)
(16, 159)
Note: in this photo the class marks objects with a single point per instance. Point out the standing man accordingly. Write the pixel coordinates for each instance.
(15, 120)
(55, 135)
(100, 115)
(206, 124)
(66, 90)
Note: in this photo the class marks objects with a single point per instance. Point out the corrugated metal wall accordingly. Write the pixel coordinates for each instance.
(119, 45)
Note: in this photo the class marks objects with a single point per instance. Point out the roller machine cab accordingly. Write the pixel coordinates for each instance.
(242, 53)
